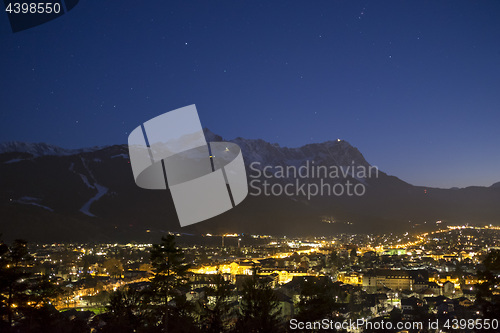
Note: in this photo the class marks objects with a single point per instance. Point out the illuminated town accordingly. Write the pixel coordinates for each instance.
(436, 273)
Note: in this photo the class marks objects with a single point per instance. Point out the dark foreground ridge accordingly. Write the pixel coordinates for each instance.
(52, 194)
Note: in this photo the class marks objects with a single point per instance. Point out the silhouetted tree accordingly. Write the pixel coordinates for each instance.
(317, 299)
(260, 311)
(216, 313)
(492, 267)
(123, 311)
(24, 297)
(169, 275)
(14, 284)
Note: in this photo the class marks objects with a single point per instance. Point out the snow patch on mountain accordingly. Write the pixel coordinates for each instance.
(15, 160)
(120, 155)
(26, 200)
(86, 181)
(82, 176)
(92, 183)
(101, 190)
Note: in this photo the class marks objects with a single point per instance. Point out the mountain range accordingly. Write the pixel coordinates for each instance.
(51, 194)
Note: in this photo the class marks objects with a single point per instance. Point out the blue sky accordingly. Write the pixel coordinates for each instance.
(414, 85)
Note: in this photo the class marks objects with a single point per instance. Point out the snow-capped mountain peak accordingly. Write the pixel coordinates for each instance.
(41, 149)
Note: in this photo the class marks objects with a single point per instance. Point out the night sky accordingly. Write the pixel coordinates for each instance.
(415, 85)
